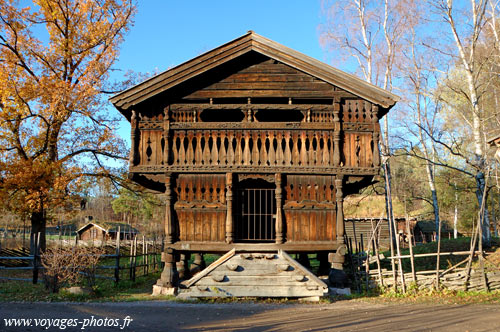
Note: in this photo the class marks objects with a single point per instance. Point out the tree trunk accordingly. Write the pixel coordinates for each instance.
(455, 216)
(482, 194)
(38, 223)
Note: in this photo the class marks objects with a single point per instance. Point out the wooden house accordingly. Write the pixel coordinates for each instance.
(106, 231)
(254, 146)
(424, 231)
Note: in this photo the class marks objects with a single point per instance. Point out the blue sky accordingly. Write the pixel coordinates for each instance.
(169, 32)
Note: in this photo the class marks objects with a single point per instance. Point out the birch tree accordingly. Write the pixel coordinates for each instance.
(466, 26)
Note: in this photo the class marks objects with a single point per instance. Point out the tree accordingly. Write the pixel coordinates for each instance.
(56, 60)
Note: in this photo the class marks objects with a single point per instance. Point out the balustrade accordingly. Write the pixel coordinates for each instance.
(252, 148)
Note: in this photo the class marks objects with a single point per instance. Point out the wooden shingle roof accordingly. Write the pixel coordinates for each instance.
(250, 42)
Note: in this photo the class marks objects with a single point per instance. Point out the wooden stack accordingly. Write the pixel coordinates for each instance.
(254, 275)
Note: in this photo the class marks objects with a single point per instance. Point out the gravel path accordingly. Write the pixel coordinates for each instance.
(170, 316)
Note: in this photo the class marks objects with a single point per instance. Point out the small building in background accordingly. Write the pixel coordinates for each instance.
(102, 231)
(425, 231)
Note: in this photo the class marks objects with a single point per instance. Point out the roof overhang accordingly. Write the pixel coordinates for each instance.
(127, 99)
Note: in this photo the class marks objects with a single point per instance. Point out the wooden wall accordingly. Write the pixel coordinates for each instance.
(309, 208)
(201, 207)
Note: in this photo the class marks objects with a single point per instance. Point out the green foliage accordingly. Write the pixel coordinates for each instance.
(138, 204)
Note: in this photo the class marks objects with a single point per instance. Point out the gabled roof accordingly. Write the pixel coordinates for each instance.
(110, 227)
(251, 41)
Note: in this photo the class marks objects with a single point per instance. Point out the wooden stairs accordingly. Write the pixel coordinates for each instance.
(254, 275)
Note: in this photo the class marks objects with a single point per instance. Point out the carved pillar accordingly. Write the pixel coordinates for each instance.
(229, 207)
(166, 135)
(134, 139)
(279, 209)
(169, 220)
(337, 276)
(182, 266)
(336, 134)
(339, 196)
(198, 264)
(375, 137)
(169, 277)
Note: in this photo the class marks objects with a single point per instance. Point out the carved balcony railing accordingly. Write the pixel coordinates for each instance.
(324, 141)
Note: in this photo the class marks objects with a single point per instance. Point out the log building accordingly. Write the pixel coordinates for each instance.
(254, 146)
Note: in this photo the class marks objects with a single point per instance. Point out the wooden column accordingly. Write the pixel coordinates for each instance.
(339, 196)
(229, 208)
(279, 209)
(169, 277)
(337, 134)
(134, 139)
(337, 275)
(375, 137)
(169, 220)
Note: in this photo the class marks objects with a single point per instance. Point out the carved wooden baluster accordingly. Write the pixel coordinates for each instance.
(213, 187)
(166, 135)
(375, 137)
(255, 148)
(229, 208)
(295, 149)
(302, 149)
(230, 149)
(238, 155)
(311, 154)
(318, 152)
(198, 185)
(215, 149)
(190, 150)
(326, 149)
(336, 133)
(190, 193)
(272, 151)
(279, 148)
(198, 153)
(246, 149)
(206, 148)
(222, 150)
(287, 155)
(182, 150)
(279, 207)
(263, 149)
(175, 148)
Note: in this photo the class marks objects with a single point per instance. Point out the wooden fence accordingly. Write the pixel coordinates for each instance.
(453, 278)
(137, 257)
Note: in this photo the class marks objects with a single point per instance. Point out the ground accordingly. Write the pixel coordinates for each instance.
(167, 316)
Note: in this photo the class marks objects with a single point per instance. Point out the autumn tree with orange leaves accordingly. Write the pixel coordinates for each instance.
(55, 61)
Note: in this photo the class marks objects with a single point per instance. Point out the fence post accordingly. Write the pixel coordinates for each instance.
(36, 257)
(135, 257)
(145, 260)
(117, 266)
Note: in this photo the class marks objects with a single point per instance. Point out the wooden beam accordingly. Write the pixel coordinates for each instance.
(218, 247)
(208, 106)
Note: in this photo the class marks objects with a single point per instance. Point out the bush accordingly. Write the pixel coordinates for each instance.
(67, 266)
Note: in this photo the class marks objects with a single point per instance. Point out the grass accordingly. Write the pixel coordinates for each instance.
(429, 263)
(105, 290)
(141, 289)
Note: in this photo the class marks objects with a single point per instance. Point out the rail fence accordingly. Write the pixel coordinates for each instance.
(122, 260)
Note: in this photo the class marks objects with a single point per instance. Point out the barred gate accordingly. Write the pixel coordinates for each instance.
(255, 214)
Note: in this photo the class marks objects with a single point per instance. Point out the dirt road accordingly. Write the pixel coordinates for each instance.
(170, 317)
